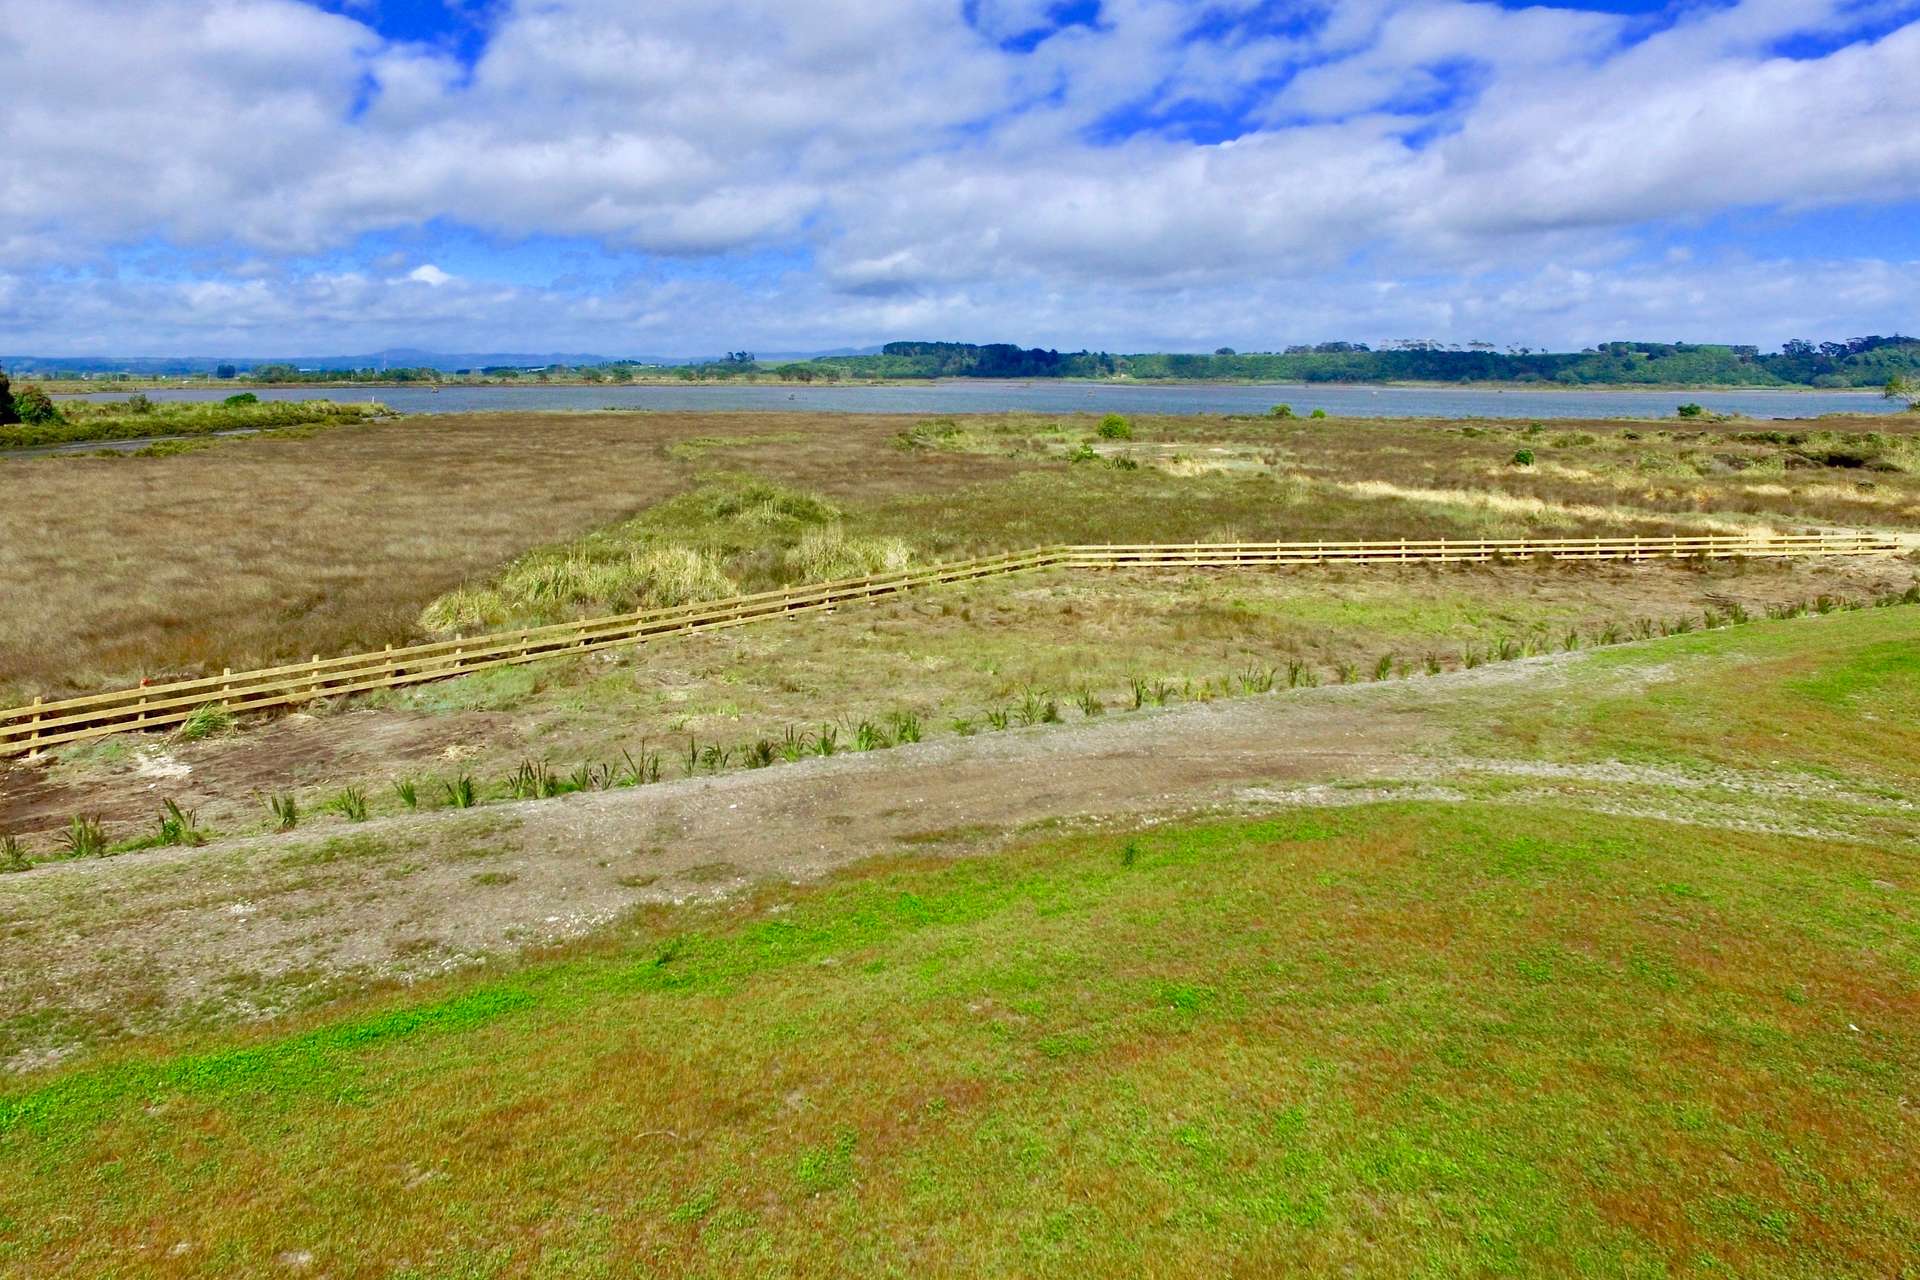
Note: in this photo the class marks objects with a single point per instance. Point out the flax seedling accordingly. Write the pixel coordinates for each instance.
(642, 771)
(407, 792)
(1570, 641)
(461, 793)
(905, 726)
(997, 718)
(761, 753)
(285, 810)
(827, 741)
(1383, 668)
(794, 744)
(1296, 674)
(84, 837)
(1089, 702)
(714, 757)
(1509, 650)
(351, 804)
(868, 736)
(965, 726)
(1433, 664)
(1140, 692)
(1257, 679)
(1470, 657)
(1346, 672)
(1162, 692)
(13, 855)
(178, 826)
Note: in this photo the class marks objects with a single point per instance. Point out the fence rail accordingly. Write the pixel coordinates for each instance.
(40, 725)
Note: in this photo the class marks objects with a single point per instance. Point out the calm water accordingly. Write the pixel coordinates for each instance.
(1069, 397)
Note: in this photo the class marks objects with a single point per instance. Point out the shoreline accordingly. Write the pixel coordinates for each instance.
(70, 389)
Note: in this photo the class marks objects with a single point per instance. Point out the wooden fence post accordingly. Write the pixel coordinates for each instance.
(33, 734)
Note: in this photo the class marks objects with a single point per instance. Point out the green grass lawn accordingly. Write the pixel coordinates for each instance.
(1392, 1039)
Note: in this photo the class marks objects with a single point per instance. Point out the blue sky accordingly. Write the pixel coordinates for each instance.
(258, 176)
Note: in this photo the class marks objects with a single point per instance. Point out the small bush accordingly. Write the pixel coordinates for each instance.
(245, 397)
(1318, 413)
(1280, 411)
(1522, 458)
(1691, 410)
(1115, 427)
(35, 407)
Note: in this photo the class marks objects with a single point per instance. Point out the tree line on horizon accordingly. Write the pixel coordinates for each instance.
(1860, 362)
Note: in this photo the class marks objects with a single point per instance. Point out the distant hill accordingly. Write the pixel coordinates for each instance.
(392, 358)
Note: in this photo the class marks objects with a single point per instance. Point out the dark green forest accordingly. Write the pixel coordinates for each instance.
(1861, 362)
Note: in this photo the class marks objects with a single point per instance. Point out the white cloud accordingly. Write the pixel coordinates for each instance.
(933, 177)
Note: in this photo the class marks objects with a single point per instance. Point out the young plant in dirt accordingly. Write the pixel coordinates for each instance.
(285, 810)
(13, 855)
(408, 792)
(461, 792)
(84, 837)
(178, 826)
(351, 804)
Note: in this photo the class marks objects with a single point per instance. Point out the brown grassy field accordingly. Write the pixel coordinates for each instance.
(254, 551)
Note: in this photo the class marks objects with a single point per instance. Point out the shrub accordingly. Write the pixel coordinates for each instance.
(138, 403)
(1280, 411)
(245, 397)
(1318, 413)
(1692, 411)
(8, 414)
(1522, 458)
(1115, 427)
(35, 407)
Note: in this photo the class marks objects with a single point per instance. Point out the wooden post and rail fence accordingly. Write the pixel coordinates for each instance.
(42, 724)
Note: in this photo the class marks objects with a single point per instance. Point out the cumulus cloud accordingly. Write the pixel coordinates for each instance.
(982, 167)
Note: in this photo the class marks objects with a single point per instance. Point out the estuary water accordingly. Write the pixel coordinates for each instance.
(1081, 397)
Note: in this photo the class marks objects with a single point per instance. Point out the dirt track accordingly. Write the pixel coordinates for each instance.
(253, 927)
(250, 926)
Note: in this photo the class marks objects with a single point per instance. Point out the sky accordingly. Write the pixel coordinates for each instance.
(258, 177)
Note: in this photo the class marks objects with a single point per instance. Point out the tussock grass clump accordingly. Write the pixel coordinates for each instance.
(546, 586)
(205, 722)
(13, 855)
(285, 810)
(829, 552)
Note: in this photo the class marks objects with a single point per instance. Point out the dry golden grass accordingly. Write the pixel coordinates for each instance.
(265, 550)
(254, 551)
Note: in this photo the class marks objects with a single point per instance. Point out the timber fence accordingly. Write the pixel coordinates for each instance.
(41, 725)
